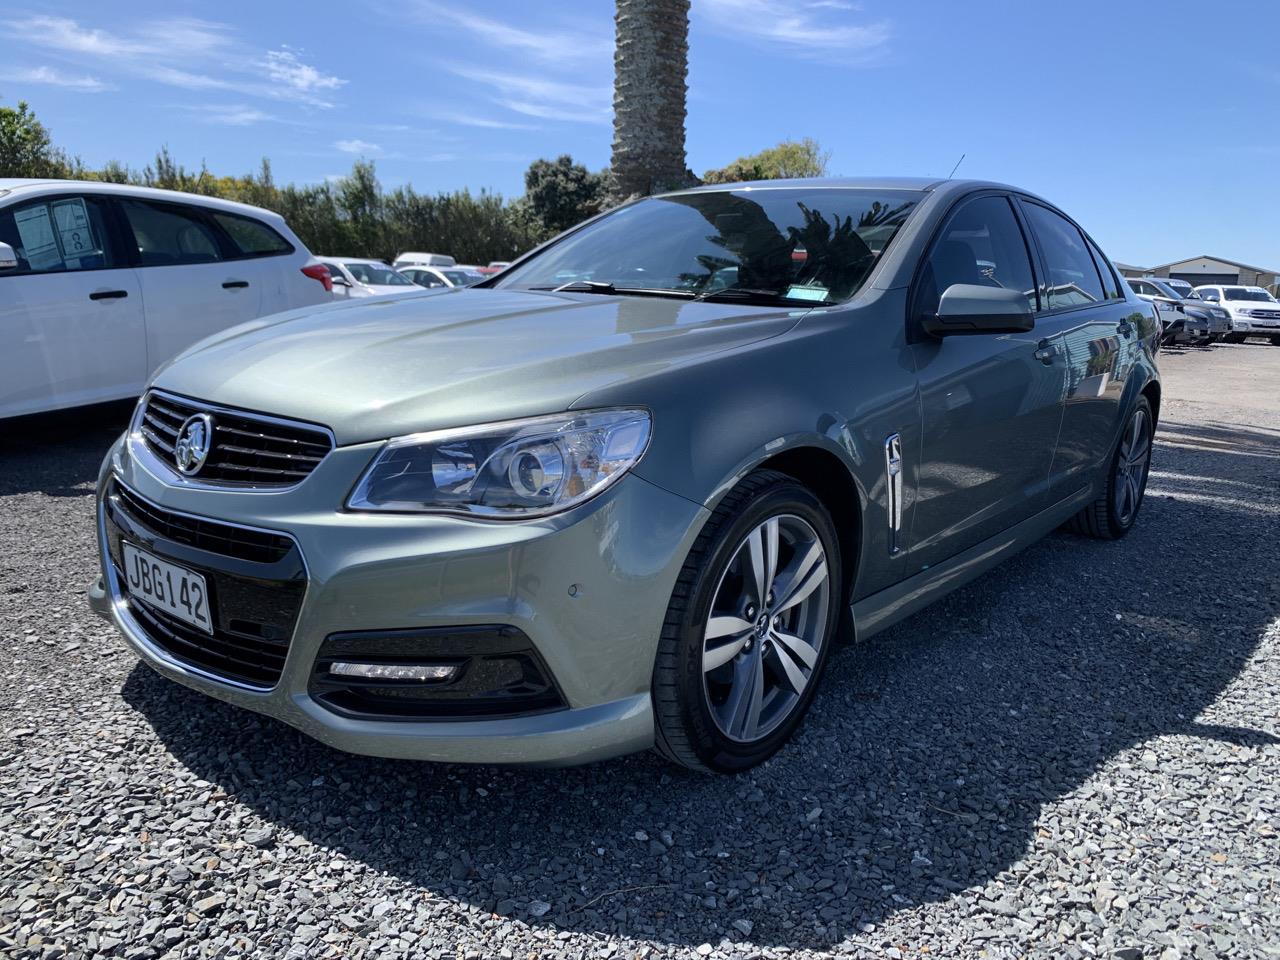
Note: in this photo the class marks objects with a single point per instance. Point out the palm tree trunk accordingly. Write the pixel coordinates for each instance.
(651, 66)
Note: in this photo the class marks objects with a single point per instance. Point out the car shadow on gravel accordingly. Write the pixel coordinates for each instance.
(58, 453)
(922, 770)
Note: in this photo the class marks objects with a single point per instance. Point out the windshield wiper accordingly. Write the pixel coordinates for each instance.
(609, 288)
(754, 293)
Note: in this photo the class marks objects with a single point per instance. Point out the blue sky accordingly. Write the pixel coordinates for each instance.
(1156, 129)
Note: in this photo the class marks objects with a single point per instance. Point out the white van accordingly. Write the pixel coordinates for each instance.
(423, 260)
(100, 283)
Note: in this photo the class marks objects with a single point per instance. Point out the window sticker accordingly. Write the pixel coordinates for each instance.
(38, 244)
(75, 231)
(807, 292)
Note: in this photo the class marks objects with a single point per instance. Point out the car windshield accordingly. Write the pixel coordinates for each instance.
(461, 278)
(1244, 293)
(1167, 289)
(378, 274)
(1180, 287)
(805, 245)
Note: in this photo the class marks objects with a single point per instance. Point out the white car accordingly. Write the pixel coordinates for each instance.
(100, 283)
(436, 277)
(1254, 312)
(364, 278)
(414, 259)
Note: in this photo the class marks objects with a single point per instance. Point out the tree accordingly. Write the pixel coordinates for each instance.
(651, 67)
(26, 149)
(790, 158)
(561, 193)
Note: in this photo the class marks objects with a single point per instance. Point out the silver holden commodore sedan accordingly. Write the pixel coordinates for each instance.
(631, 492)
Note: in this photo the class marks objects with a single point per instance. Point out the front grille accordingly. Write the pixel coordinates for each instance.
(258, 546)
(246, 450)
(1267, 314)
(256, 581)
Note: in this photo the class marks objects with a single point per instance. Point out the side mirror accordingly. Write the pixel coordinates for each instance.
(340, 281)
(973, 308)
(8, 257)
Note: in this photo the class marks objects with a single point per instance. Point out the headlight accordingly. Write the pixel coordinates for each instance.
(511, 470)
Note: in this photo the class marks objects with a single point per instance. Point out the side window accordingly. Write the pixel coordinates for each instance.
(57, 234)
(1136, 286)
(981, 244)
(1072, 277)
(1110, 285)
(168, 234)
(252, 238)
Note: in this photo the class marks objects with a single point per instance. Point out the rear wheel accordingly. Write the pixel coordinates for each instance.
(1275, 341)
(1114, 512)
(749, 627)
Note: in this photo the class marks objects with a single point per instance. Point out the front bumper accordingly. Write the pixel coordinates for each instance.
(588, 588)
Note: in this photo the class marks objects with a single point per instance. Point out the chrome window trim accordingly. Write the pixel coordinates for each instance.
(118, 597)
(168, 473)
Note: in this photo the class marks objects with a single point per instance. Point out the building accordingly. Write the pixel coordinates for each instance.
(1129, 270)
(1206, 269)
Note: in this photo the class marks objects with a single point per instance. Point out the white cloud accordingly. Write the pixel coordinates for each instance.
(543, 97)
(182, 52)
(811, 26)
(359, 147)
(55, 78)
(581, 43)
(171, 38)
(232, 115)
(471, 120)
(283, 66)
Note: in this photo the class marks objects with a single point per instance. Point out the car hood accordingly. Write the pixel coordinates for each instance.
(387, 366)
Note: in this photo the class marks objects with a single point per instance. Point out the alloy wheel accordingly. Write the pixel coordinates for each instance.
(1131, 467)
(766, 628)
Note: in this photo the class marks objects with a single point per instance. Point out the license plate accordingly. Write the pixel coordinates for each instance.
(177, 591)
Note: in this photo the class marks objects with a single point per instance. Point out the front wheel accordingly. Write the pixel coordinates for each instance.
(1114, 512)
(748, 628)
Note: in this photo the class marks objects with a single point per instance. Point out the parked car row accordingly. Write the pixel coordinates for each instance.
(1211, 313)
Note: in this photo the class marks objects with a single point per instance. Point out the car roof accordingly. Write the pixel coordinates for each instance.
(23, 186)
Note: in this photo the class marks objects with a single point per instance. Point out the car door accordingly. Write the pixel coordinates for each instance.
(190, 287)
(991, 405)
(1085, 310)
(71, 315)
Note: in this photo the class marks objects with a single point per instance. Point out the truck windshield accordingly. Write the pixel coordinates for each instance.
(786, 243)
(1244, 293)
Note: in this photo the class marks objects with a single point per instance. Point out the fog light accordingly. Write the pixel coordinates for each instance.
(394, 671)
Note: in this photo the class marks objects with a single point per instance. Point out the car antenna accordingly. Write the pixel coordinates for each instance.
(956, 167)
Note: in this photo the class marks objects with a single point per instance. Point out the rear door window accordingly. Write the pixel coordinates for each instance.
(1110, 283)
(981, 244)
(1072, 277)
(169, 234)
(57, 234)
(252, 238)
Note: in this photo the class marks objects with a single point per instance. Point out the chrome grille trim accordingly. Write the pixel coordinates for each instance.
(250, 451)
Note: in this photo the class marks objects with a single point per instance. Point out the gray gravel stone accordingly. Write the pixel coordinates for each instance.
(1075, 756)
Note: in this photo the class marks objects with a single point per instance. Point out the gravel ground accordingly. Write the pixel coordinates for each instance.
(1075, 756)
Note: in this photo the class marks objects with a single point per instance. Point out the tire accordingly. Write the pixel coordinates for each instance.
(1275, 341)
(1234, 338)
(707, 670)
(1113, 514)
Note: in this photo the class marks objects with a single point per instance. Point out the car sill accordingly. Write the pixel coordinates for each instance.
(893, 604)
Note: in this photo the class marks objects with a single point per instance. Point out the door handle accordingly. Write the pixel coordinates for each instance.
(108, 294)
(235, 284)
(1045, 352)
